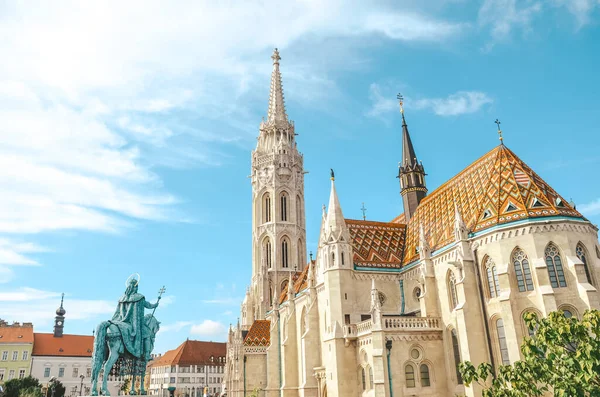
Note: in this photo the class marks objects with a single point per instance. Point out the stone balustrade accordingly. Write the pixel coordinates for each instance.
(401, 323)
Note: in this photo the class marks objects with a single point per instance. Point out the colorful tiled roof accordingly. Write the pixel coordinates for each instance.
(377, 244)
(193, 352)
(67, 345)
(496, 189)
(14, 334)
(259, 334)
(300, 281)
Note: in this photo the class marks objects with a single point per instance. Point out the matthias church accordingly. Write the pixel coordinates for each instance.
(390, 307)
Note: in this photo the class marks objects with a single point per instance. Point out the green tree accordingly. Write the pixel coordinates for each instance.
(59, 389)
(13, 387)
(125, 386)
(562, 357)
(31, 392)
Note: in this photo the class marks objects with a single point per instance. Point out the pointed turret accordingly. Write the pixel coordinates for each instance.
(461, 232)
(290, 291)
(424, 248)
(59, 320)
(334, 222)
(410, 172)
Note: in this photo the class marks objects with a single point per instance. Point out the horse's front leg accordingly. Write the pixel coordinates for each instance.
(132, 389)
(142, 390)
(113, 347)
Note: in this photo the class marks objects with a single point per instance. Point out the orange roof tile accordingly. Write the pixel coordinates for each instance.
(496, 189)
(193, 352)
(67, 345)
(13, 334)
(377, 244)
(300, 281)
(399, 219)
(259, 334)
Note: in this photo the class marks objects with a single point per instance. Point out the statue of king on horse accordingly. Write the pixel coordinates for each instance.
(128, 336)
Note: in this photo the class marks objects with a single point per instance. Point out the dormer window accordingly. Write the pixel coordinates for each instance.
(487, 214)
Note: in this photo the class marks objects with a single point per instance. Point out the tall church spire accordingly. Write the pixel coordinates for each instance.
(276, 111)
(59, 320)
(276, 131)
(411, 172)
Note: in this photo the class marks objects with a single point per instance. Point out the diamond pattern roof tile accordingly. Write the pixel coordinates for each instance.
(259, 334)
(496, 189)
(377, 244)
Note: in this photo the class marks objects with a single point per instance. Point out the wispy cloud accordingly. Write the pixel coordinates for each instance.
(502, 17)
(581, 9)
(209, 329)
(462, 102)
(38, 306)
(175, 327)
(591, 208)
(81, 134)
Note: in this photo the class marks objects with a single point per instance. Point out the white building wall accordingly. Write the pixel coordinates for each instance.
(45, 367)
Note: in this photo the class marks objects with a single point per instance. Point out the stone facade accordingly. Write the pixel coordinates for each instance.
(390, 308)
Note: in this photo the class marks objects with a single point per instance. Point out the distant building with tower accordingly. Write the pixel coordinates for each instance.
(391, 307)
(66, 357)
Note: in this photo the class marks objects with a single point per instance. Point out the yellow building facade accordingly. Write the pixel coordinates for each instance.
(16, 344)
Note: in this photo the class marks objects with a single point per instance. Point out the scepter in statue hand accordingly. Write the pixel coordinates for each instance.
(160, 292)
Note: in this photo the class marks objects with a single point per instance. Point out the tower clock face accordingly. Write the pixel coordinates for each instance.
(59, 323)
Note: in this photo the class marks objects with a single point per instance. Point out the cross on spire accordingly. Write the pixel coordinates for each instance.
(401, 102)
(499, 131)
(364, 211)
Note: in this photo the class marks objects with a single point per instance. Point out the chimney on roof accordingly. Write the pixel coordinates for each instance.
(28, 325)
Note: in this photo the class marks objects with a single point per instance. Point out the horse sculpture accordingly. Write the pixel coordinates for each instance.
(130, 336)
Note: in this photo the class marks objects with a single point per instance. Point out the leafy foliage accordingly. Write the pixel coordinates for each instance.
(563, 357)
(31, 392)
(14, 387)
(255, 392)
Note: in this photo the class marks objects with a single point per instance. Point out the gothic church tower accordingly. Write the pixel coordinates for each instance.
(278, 221)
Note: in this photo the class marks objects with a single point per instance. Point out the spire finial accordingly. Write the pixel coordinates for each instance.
(311, 256)
(499, 132)
(62, 299)
(332, 174)
(275, 57)
(401, 103)
(364, 211)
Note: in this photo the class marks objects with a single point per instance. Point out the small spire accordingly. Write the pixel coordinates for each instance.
(335, 217)
(311, 258)
(290, 290)
(499, 132)
(332, 174)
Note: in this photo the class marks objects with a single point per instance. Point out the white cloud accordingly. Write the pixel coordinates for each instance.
(581, 9)
(208, 329)
(503, 16)
(94, 93)
(591, 208)
(175, 327)
(37, 306)
(462, 102)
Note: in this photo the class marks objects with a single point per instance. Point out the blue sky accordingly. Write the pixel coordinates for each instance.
(126, 131)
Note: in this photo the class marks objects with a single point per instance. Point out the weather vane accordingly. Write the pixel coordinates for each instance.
(401, 102)
(499, 131)
(364, 212)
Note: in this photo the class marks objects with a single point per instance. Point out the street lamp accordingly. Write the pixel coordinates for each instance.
(81, 385)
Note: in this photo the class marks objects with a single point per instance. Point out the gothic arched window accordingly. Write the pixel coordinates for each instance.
(298, 211)
(409, 374)
(303, 322)
(363, 378)
(555, 267)
(284, 252)
(522, 270)
(425, 380)
(456, 351)
(267, 252)
(452, 290)
(284, 206)
(370, 377)
(502, 342)
(300, 260)
(342, 258)
(267, 207)
(582, 255)
(332, 259)
(492, 277)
